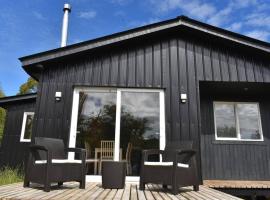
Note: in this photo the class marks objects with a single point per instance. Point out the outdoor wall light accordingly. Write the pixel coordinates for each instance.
(183, 98)
(58, 96)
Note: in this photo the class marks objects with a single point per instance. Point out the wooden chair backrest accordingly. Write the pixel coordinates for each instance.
(88, 150)
(107, 149)
(128, 152)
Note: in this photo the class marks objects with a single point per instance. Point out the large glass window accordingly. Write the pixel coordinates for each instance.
(237, 121)
(140, 126)
(117, 124)
(96, 124)
(26, 131)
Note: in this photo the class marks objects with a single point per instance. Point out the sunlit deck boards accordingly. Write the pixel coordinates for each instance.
(223, 184)
(95, 191)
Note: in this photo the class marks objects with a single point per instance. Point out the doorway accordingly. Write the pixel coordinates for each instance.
(128, 120)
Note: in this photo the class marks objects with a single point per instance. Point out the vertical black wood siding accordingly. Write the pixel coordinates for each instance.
(174, 63)
(12, 150)
(234, 159)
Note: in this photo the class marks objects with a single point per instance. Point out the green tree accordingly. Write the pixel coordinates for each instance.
(29, 86)
(2, 117)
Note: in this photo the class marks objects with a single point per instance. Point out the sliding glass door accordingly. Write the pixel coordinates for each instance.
(139, 125)
(126, 120)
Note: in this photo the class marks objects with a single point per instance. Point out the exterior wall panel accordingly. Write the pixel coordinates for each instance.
(12, 151)
(176, 64)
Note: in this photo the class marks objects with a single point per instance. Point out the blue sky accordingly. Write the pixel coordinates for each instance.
(32, 26)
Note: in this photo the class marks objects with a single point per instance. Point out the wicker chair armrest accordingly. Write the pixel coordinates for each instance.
(80, 151)
(76, 150)
(38, 147)
(35, 148)
(149, 152)
(188, 152)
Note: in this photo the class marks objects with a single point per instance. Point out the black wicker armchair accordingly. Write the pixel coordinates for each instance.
(48, 163)
(178, 167)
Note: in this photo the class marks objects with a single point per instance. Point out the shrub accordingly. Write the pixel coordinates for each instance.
(9, 175)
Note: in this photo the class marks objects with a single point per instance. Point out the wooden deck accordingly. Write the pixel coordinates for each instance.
(237, 184)
(95, 191)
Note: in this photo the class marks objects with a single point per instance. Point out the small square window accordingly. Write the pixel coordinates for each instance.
(237, 121)
(27, 124)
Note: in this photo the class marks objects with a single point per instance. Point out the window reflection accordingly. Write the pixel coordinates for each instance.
(96, 123)
(248, 117)
(28, 126)
(225, 120)
(140, 125)
(237, 121)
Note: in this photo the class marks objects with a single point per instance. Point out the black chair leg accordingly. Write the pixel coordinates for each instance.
(47, 187)
(142, 186)
(174, 189)
(60, 184)
(196, 187)
(82, 184)
(26, 183)
(165, 186)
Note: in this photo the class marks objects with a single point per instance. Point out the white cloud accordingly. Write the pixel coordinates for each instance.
(259, 34)
(88, 14)
(237, 4)
(38, 15)
(236, 26)
(258, 19)
(224, 15)
(220, 17)
(200, 10)
(137, 23)
(193, 7)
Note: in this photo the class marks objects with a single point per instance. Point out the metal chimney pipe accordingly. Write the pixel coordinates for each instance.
(67, 10)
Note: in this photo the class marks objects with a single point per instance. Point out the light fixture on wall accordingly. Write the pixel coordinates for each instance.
(183, 98)
(58, 96)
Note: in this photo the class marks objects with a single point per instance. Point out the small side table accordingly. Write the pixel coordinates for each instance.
(113, 174)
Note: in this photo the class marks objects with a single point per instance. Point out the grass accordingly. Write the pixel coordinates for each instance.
(9, 175)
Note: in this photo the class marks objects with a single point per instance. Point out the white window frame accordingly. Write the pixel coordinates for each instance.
(25, 114)
(238, 138)
(74, 119)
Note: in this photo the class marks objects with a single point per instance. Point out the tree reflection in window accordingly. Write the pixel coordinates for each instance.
(28, 126)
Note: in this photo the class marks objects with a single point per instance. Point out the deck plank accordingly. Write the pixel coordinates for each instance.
(89, 187)
(141, 195)
(119, 194)
(111, 194)
(55, 192)
(89, 192)
(217, 193)
(71, 191)
(103, 194)
(148, 194)
(133, 193)
(154, 192)
(237, 184)
(126, 193)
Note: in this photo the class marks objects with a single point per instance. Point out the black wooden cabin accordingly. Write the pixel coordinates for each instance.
(198, 67)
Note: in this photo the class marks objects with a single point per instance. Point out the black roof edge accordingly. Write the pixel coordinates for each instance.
(101, 38)
(12, 99)
(41, 57)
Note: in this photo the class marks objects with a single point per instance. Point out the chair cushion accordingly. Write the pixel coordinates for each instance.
(166, 164)
(58, 161)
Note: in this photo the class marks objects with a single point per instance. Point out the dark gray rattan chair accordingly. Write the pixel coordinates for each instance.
(48, 163)
(178, 167)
